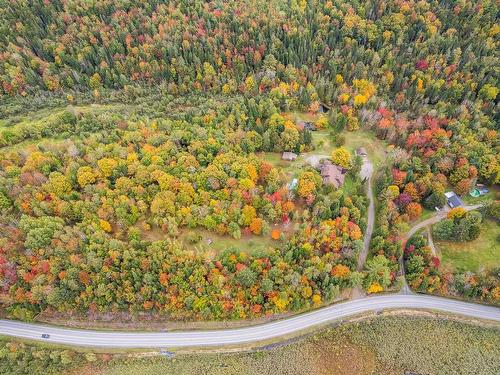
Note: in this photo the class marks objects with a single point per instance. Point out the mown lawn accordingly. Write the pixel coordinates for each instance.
(384, 345)
(247, 243)
(426, 214)
(365, 138)
(323, 142)
(273, 158)
(482, 253)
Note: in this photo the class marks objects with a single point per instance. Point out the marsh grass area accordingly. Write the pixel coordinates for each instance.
(383, 345)
(482, 253)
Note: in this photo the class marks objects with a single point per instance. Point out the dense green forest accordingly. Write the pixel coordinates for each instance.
(127, 128)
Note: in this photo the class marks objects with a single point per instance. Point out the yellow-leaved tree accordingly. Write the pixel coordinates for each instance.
(341, 156)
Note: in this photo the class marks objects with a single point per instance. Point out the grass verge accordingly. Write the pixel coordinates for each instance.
(482, 253)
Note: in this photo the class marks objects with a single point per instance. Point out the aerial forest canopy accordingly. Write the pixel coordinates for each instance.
(135, 134)
(413, 51)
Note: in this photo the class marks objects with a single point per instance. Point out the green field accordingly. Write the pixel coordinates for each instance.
(214, 243)
(364, 138)
(484, 252)
(323, 142)
(35, 126)
(383, 345)
(291, 168)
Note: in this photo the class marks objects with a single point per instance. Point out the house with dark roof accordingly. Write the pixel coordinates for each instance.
(453, 200)
(332, 174)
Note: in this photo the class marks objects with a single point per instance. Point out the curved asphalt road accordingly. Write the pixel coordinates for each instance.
(112, 339)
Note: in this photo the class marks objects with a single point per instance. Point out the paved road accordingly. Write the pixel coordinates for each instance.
(366, 173)
(113, 339)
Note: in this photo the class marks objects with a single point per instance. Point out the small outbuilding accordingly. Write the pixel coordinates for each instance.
(323, 108)
(478, 191)
(289, 156)
(453, 200)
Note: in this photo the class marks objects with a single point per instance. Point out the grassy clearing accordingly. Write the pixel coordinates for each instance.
(273, 158)
(426, 214)
(291, 168)
(214, 243)
(301, 116)
(493, 194)
(46, 115)
(39, 121)
(43, 117)
(384, 345)
(482, 253)
(323, 142)
(364, 138)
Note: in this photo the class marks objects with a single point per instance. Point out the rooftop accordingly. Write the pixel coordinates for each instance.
(453, 199)
(332, 174)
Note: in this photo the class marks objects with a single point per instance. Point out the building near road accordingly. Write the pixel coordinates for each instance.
(332, 174)
(289, 156)
(452, 199)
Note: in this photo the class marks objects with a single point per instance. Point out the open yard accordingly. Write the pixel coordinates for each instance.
(493, 194)
(364, 138)
(291, 168)
(482, 253)
(324, 144)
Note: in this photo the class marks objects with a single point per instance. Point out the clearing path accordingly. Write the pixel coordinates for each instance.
(366, 173)
(430, 241)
